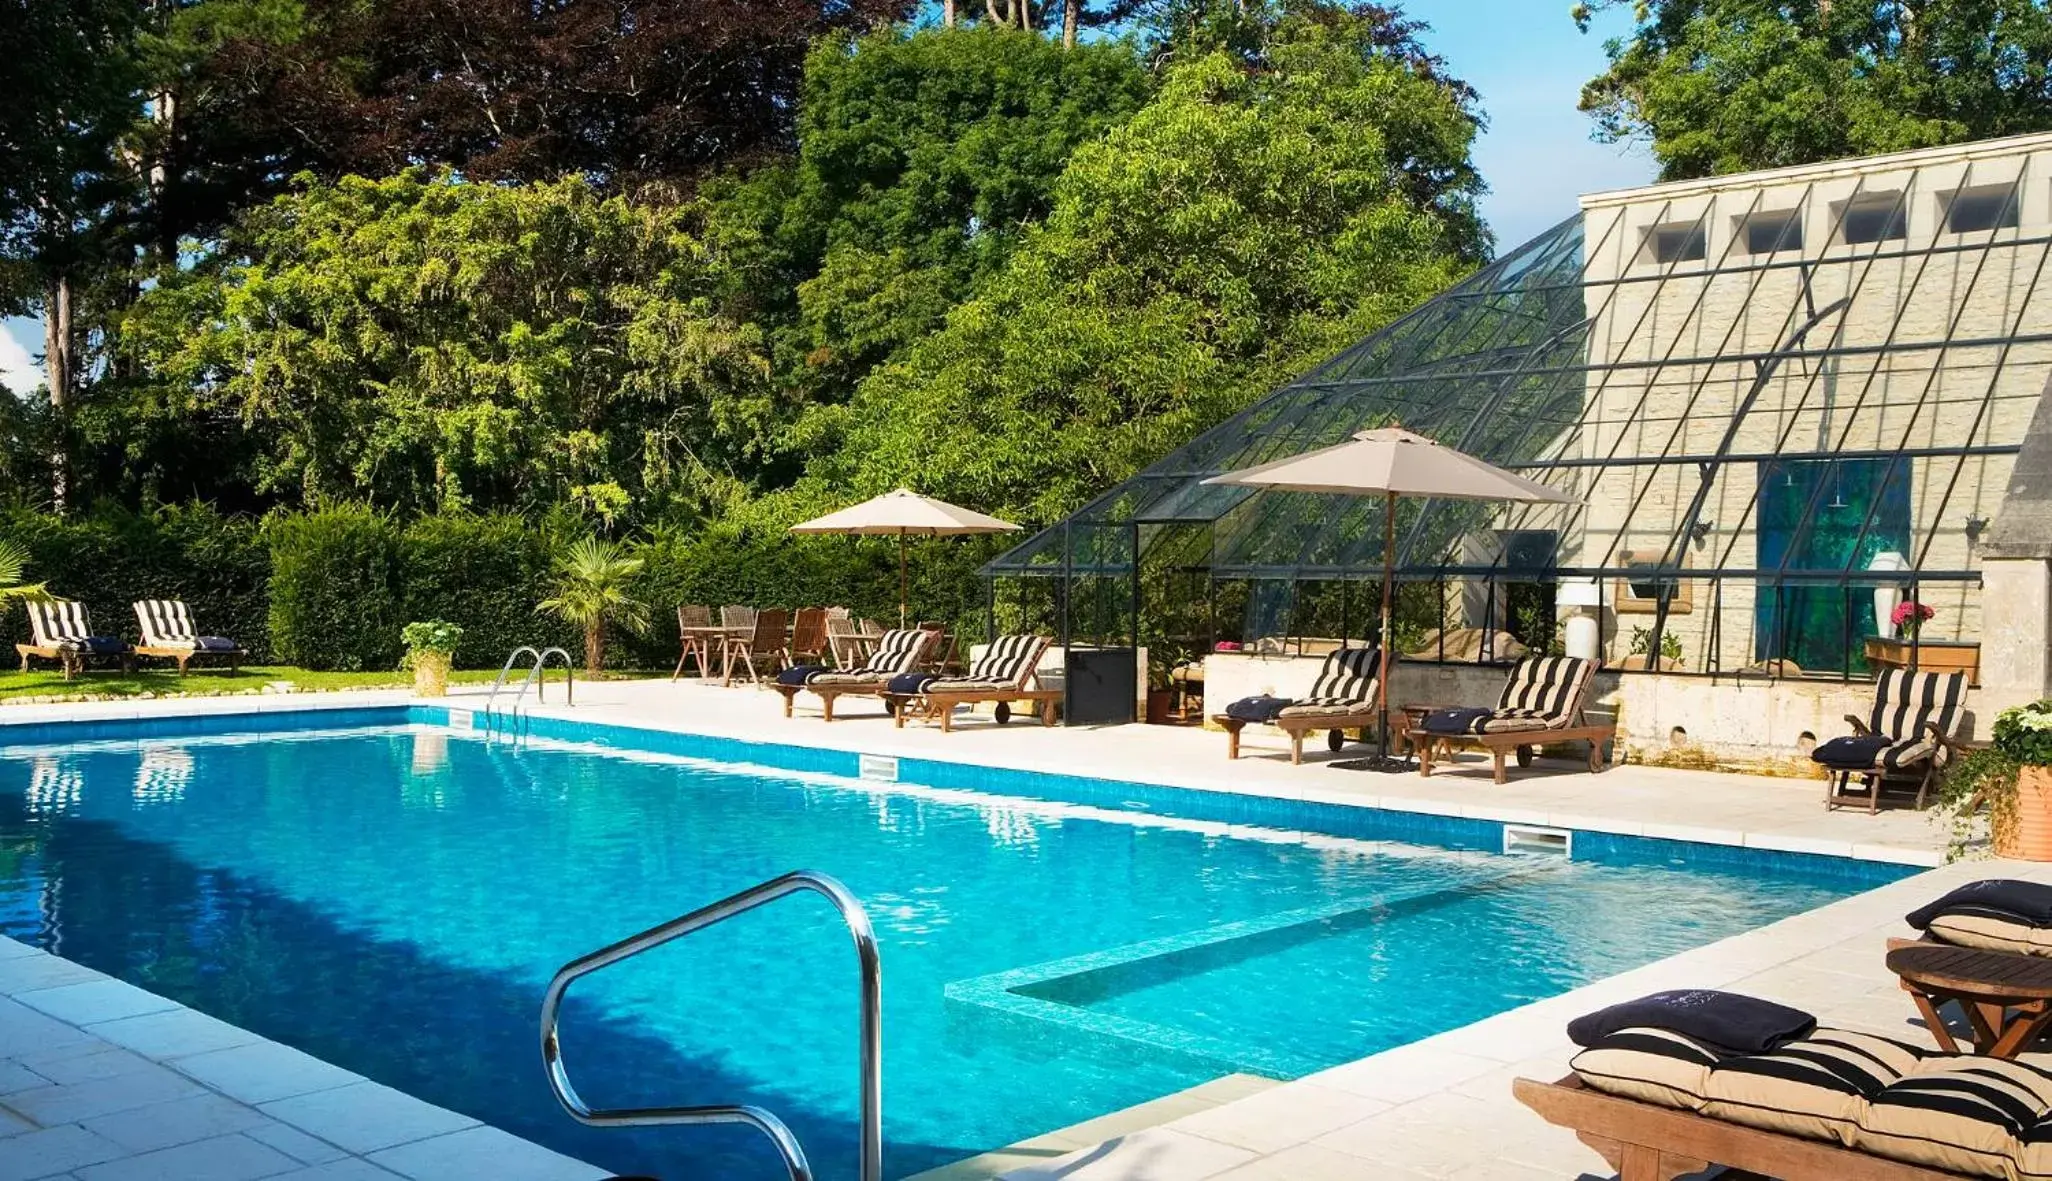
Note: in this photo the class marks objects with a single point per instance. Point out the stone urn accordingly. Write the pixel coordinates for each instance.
(431, 674)
(2024, 831)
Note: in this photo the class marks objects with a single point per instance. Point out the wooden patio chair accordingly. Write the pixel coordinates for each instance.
(808, 637)
(765, 640)
(1546, 700)
(693, 643)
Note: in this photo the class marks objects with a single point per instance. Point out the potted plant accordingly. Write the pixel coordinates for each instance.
(430, 649)
(1909, 615)
(1162, 662)
(1908, 648)
(2012, 775)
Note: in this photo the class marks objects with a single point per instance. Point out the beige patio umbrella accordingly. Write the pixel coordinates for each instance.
(905, 513)
(1394, 462)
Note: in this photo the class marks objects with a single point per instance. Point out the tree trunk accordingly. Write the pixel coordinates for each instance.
(594, 648)
(1071, 15)
(948, 14)
(57, 366)
(990, 6)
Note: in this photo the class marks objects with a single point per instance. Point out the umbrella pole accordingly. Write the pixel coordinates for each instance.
(904, 593)
(1388, 579)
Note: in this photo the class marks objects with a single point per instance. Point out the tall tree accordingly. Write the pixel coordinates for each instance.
(422, 343)
(923, 159)
(69, 71)
(1244, 224)
(1718, 86)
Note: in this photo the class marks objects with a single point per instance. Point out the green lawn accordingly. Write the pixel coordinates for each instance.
(114, 683)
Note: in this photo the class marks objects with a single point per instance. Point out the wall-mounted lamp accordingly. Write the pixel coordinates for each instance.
(1701, 532)
(1975, 526)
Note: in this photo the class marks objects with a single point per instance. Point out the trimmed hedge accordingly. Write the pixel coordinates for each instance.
(111, 558)
(484, 573)
(335, 588)
(331, 589)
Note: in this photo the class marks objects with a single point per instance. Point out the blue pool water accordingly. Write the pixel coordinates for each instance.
(394, 898)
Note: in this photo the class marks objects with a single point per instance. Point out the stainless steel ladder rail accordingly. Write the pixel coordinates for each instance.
(535, 679)
(870, 1049)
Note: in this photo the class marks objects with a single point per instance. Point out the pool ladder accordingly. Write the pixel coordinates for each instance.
(870, 1047)
(533, 680)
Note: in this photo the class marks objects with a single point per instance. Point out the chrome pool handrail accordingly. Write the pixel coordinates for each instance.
(870, 1049)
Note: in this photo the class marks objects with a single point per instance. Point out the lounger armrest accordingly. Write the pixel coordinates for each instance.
(1859, 726)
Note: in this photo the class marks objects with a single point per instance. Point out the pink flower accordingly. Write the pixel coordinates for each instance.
(1909, 610)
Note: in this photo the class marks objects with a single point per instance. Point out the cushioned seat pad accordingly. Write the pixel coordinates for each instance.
(1816, 1087)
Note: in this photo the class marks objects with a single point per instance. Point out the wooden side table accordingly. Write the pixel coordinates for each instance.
(2006, 996)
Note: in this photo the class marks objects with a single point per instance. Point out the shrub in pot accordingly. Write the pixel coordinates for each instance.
(430, 650)
(2012, 776)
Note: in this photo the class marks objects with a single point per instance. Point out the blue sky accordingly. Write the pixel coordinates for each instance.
(1526, 58)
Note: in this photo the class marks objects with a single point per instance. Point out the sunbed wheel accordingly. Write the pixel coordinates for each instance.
(1335, 739)
(891, 706)
(1003, 712)
(1524, 756)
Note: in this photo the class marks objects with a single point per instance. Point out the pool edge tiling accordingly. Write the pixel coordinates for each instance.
(102, 1080)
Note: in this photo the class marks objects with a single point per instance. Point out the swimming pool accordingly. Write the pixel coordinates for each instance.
(394, 897)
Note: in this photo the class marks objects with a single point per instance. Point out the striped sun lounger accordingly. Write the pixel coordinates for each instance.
(1002, 675)
(168, 632)
(61, 631)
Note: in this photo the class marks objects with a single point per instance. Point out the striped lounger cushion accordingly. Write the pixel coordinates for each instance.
(1345, 685)
(1544, 693)
(1965, 1113)
(1906, 705)
(60, 623)
(1816, 1088)
(896, 651)
(1651, 1065)
(1004, 665)
(166, 623)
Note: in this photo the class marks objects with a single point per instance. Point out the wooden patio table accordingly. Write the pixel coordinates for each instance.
(2006, 995)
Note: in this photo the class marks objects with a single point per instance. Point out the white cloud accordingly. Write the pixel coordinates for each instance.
(18, 369)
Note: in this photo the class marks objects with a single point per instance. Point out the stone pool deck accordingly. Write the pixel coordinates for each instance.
(103, 1081)
(1440, 1108)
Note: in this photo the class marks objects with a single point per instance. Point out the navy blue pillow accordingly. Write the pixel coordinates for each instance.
(1260, 708)
(800, 674)
(103, 645)
(216, 644)
(910, 684)
(1727, 1020)
(2028, 903)
(1460, 720)
(1854, 752)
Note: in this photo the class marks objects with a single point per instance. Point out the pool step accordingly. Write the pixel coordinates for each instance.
(1151, 1114)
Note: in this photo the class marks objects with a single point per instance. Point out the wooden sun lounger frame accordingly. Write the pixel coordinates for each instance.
(71, 662)
(1336, 726)
(1430, 745)
(930, 705)
(1647, 1142)
(185, 656)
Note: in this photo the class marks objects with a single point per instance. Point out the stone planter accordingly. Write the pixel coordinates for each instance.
(1932, 656)
(2026, 832)
(431, 674)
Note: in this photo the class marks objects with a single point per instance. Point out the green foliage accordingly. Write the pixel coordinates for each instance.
(593, 589)
(437, 635)
(1670, 644)
(335, 589)
(427, 344)
(923, 156)
(110, 559)
(2024, 733)
(485, 573)
(1721, 86)
(1240, 227)
(14, 562)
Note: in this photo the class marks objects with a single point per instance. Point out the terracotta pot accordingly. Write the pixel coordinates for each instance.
(2027, 833)
(431, 674)
(1158, 706)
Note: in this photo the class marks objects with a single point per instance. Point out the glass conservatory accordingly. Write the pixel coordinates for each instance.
(1786, 404)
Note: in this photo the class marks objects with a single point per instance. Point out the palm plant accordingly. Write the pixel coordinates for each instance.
(592, 591)
(14, 560)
